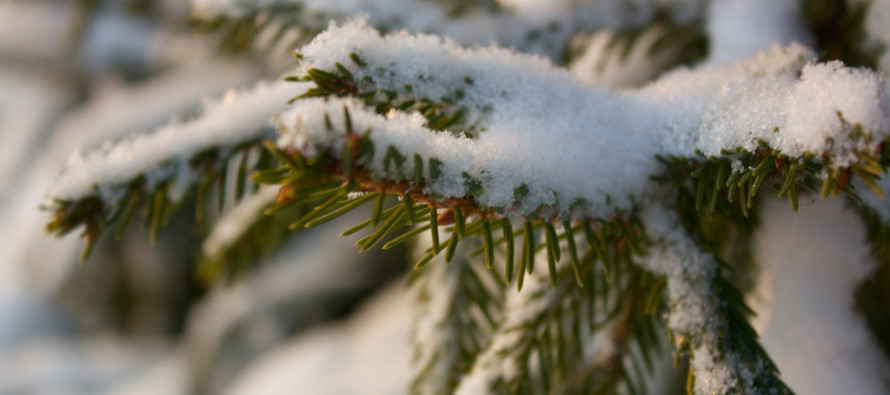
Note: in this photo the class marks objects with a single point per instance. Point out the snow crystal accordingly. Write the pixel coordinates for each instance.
(538, 127)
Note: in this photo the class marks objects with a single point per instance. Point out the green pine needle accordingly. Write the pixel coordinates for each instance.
(509, 249)
(529, 247)
(434, 228)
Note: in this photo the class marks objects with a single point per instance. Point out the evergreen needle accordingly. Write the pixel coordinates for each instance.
(488, 244)
(320, 209)
(241, 177)
(573, 252)
(348, 206)
(429, 256)
(369, 222)
(378, 208)
(529, 247)
(388, 225)
(451, 246)
(405, 237)
(434, 228)
(508, 260)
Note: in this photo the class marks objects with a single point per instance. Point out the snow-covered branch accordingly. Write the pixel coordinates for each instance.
(238, 118)
(701, 314)
(536, 123)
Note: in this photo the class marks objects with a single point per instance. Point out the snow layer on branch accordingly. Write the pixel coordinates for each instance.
(542, 128)
(239, 117)
(553, 22)
(694, 306)
(109, 114)
(794, 105)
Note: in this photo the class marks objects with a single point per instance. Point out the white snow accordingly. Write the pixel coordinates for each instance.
(778, 96)
(543, 128)
(177, 93)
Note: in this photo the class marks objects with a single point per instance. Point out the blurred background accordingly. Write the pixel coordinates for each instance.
(315, 317)
(136, 318)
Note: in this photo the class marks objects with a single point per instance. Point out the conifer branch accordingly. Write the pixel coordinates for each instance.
(486, 144)
(708, 316)
(143, 173)
(459, 306)
(468, 22)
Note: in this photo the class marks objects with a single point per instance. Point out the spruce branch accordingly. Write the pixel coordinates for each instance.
(486, 144)
(707, 315)
(267, 23)
(459, 306)
(242, 234)
(153, 173)
(632, 56)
